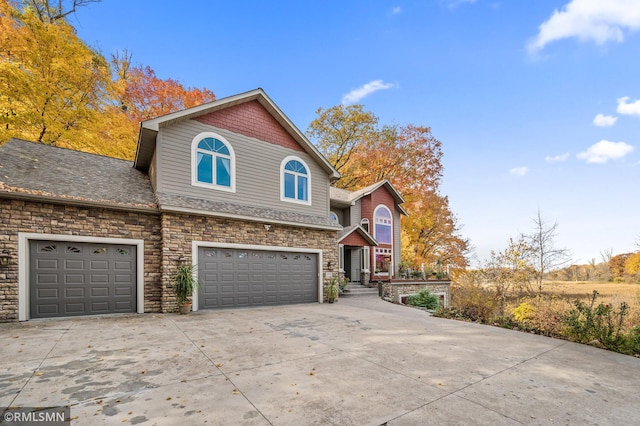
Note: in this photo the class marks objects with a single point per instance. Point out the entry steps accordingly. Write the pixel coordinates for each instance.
(356, 289)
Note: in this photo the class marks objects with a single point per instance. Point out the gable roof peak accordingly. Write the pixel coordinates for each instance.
(150, 128)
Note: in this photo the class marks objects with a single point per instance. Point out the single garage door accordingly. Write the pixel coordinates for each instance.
(235, 277)
(68, 278)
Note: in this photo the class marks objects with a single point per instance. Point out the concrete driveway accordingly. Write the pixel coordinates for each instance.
(361, 361)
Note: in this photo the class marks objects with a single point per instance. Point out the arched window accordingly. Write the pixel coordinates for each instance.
(213, 162)
(295, 181)
(333, 217)
(383, 225)
(365, 224)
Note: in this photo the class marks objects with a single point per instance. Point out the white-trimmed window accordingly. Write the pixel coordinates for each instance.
(384, 261)
(383, 225)
(366, 259)
(333, 217)
(341, 257)
(213, 162)
(365, 224)
(295, 181)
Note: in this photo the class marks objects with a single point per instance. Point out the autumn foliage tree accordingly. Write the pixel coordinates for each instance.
(57, 90)
(410, 158)
(52, 85)
(142, 95)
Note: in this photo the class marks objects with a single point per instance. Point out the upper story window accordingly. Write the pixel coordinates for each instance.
(213, 162)
(295, 181)
(383, 224)
(333, 217)
(365, 224)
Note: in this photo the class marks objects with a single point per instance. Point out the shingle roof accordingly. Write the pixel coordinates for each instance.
(171, 202)
(360, 230)
(33, 170)
(343, 196)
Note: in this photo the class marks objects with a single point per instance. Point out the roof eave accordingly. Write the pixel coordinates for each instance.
(364, 234)
(200, 212)
(24, 196)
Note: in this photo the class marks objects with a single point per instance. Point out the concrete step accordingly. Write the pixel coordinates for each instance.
(358, 290)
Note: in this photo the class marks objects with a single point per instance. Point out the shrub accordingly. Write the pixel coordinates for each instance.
(471, 302)
(631, 344)
(523, 313)
(424, 299)
(588, 322)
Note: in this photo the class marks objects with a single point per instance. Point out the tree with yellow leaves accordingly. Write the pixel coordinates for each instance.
(52, 85)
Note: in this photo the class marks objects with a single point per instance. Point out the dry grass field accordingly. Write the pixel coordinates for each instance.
(609, 292)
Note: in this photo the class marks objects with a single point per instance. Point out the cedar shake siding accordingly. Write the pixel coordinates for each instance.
(252, 120)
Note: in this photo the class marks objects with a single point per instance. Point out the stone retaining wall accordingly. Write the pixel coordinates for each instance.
(395, 290)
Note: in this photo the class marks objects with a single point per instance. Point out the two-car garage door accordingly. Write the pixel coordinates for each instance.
(77, 278)
(89, 278)
(236, 277)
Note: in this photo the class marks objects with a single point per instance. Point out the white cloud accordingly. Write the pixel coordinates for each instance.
(357, 94)
(519, 171)
(557, 158)
(396, 10)
(632, 108)
(604, 151)
(602, 120)
(596, 20)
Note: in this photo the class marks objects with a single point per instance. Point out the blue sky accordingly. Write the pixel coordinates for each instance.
(537, 103)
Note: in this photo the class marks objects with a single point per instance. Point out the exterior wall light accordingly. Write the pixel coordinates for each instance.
(5, 257)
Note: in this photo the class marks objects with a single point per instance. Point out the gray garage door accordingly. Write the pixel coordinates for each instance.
(81, 279)
(234, 278)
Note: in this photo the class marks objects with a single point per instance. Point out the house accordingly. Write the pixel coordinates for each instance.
(231, 186)
(369, 243)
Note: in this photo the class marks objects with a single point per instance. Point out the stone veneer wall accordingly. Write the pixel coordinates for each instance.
(393, 290)
(36, 217)
(180, 230)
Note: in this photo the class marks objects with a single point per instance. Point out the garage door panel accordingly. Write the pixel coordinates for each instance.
(73, 279)
(99, 292)
(44, 279)
(48, 293)
(97, 265)
(73, 264)
(73, 292)
(45, 310)
(69, 279)
(256, 278)
(47, 264)
(101, 307)
(124, 306)
(74, 308)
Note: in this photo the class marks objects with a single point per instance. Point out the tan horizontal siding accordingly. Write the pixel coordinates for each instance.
(257, 170)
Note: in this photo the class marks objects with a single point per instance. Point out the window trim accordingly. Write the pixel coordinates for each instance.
(284, 162)
(375, 212)
(366, 259)
(194, 163)
(337, 221)
(384, 251)
(341, 257)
